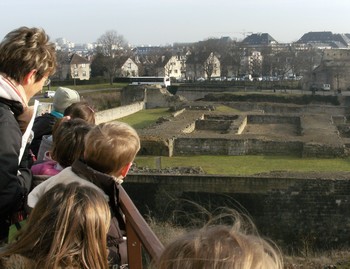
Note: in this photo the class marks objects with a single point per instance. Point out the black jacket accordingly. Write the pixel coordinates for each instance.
(15, 178)
(110, 188)
(42, 126)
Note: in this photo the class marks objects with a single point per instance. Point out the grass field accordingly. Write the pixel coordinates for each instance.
(89, 87)
(248, 165)
(145, 118)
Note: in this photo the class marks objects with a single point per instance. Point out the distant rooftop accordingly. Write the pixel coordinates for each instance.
(259, 39)
(326, 37)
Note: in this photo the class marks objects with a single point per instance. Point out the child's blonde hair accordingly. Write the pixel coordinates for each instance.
(67, 228)
(220, 247)
(109, 147)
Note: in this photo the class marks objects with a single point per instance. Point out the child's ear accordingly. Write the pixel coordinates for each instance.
(125, 169)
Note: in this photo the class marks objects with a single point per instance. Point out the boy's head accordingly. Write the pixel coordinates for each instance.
(111, 147)
(63, 98)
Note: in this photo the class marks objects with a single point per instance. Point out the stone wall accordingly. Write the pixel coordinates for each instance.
(269, 119)
(193, 93)
(153, 95)
(131, 94)
(311, 149)
(222, 146)
(223, 123)
(292, 211)
(218, 125)
(118, 112)
(156, 147)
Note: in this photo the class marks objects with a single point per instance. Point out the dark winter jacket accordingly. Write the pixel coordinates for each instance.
(15, 178)
(42, 126)
(110, 188)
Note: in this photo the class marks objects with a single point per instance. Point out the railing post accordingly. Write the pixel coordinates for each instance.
(133, 247)
(138, 233)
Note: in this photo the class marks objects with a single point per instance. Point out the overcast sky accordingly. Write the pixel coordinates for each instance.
(160, 22)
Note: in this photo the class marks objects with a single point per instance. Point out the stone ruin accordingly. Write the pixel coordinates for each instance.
(200, 129)
(250, 127)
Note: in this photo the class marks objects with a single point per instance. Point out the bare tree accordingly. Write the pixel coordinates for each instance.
(62, 65)
(234, 55)
(112, 46)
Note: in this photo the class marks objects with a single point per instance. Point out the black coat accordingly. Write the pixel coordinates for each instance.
(14, 178)
(42, 126)
(107, 184)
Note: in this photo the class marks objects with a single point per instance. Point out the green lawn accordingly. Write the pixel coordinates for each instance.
(248, 165)
(145, 118)
(90, 87)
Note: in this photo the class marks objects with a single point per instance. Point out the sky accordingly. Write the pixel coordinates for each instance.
(163, 22)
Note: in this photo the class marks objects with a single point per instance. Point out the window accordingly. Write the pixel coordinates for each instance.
(84, 73)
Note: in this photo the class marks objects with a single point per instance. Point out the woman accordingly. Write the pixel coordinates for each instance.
(66, 229)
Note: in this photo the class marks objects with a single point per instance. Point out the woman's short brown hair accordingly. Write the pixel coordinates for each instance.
(25, 49)
(111, 146)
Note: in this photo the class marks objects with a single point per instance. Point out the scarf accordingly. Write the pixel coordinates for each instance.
(9, 91)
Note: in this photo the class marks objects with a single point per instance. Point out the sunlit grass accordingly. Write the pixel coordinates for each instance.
(226, 109)
(92, 86)
(248, 165)
(145, 117)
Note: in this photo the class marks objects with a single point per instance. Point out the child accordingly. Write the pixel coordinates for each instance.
(109, 151)
(66, 229)
(81, 110)
(43, 124)
(220, 247)
(68, 145)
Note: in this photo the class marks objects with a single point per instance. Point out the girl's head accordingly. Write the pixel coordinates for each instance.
(67, 228)
(81, 110)
(220, 247)
(68, 141)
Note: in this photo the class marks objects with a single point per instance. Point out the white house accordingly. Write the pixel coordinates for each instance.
(203, 65)
(171, 66)
(79, 67)
(127, 67)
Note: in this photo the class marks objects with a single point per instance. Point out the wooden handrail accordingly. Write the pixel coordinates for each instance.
(138, 233)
